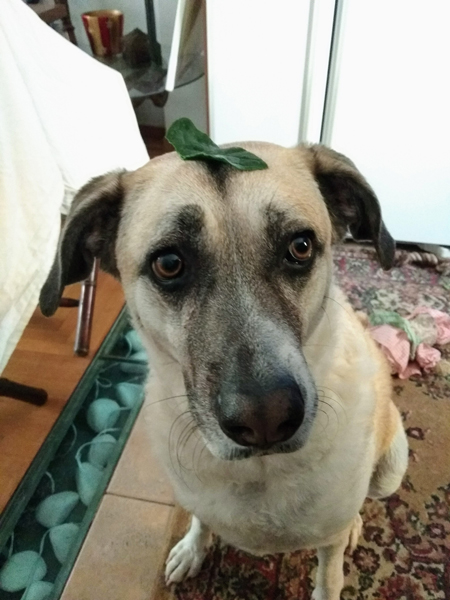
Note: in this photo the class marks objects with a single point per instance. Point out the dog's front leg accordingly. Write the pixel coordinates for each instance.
(186, 558)
(330, 574)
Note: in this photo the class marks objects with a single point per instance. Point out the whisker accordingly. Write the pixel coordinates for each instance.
(182, 435)
(182, 445)
(327, 416)
(200, 456)
(328, 318)
(323, 387)
(166, 399)
(339, 304)
(197, 466)
(323, 400)
(187, 429)
(171, 432)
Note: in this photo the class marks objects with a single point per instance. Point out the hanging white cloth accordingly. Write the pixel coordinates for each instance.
(64, 118)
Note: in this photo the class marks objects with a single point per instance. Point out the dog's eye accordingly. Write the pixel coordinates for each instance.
(167, 266)
(300, 249)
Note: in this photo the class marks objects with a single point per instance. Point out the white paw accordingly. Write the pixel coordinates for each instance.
(321, 594)
(185, 560)
(318, 594)
(355, 533)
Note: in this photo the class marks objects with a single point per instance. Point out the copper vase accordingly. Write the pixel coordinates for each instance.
(104, 29)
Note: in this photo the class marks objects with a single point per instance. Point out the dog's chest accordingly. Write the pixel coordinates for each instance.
(278, 514)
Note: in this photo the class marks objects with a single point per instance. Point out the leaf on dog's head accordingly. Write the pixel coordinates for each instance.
(192, 144)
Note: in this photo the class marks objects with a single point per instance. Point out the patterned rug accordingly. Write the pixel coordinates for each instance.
(404, 550)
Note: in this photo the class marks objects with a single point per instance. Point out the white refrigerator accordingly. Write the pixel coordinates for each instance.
(370, 78)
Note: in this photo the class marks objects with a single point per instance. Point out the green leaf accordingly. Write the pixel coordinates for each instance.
(189, 141)
(192, 144)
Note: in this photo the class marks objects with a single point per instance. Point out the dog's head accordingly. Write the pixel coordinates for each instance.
(226, 272)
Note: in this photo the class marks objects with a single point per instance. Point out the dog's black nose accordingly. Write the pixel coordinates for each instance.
(265, 420)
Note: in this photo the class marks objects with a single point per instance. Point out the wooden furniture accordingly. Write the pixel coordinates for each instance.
(56, 10)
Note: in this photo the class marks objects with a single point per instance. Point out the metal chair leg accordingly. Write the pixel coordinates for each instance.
(26, 393)
(86, 312)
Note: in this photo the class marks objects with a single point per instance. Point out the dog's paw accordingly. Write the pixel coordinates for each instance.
(185, 559)
(355, 533)
(320, 593)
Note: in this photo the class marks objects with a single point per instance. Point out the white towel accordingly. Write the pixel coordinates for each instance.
(64, 118)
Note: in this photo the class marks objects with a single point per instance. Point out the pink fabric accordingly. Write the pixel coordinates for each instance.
(396, 346)
(441, 320)
(412, 369)
(427, 357)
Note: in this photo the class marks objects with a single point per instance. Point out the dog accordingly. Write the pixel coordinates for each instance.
(268, 402)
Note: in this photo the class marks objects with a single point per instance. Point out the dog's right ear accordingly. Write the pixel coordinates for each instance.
(90, 231)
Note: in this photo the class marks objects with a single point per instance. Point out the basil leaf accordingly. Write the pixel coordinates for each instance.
(243, 160)
(192, 144)
(188, 141)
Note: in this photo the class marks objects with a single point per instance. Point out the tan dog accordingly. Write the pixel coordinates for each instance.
(268, 402)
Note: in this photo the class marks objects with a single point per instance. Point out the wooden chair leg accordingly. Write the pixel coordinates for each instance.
(86, 313)
(69, 29)
(67, 22)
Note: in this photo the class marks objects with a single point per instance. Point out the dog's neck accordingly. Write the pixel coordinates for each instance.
(320, 343)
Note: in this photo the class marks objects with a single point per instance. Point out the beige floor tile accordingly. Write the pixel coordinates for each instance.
(138, 474)
(122, 552)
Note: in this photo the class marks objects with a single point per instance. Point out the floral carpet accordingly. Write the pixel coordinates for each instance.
(404, 550)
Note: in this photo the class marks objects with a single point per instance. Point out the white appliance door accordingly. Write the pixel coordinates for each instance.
(388, 109)
(256, 59)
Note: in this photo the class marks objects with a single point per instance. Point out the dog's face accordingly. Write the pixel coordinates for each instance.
(226, 272)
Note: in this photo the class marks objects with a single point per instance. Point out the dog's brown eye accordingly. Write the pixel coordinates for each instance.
(300, 249)
(167, 266)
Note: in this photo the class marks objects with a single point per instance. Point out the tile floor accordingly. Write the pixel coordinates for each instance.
(122, 552)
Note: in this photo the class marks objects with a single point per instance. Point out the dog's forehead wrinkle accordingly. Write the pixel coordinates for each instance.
(187, 219)
(219, 174)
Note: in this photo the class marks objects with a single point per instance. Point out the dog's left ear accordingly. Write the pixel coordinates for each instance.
(351, 202)
(90, 232)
